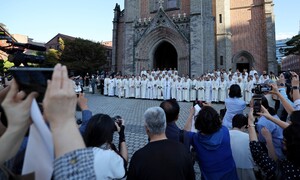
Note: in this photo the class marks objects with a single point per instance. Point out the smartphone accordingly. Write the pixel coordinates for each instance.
(256, 106)
(32, 79)
(200, 103)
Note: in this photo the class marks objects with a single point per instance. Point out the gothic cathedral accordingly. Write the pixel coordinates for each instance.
(194, 36)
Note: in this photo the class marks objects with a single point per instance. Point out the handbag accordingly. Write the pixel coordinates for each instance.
(90, 89)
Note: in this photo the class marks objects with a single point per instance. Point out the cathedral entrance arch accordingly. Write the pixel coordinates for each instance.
(165, 56)
(163, 47)
(243, 60)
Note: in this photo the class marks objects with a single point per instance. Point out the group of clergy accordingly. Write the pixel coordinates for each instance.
(167, 84)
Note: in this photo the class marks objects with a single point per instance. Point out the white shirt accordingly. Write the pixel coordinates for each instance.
(108, 164)
(239, 142)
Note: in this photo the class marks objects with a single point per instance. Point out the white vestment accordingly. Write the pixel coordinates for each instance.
(167, 89)
(179, 91)
(143, 88)
(126, 88)
(131, 87)
(215, 90)
(111, 86)
(207, 86)
(149, 91)
(160, 89)
(222, 91)
(137, 85)
(173, 89)
(200, 88)
(186, 91)
(106, 81)
(248, 91)
(193, 94)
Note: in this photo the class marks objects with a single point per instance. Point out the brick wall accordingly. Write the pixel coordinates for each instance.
(248, 30)
(291, 63)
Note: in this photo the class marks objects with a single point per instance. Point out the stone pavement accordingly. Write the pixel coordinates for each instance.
(132, 110)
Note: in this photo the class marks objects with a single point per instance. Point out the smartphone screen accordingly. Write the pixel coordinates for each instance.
(32, 79)
(256, 106)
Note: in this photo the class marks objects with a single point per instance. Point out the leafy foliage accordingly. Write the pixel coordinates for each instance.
(294, 44)
(7, 64)
(52, 57)
(83, 55)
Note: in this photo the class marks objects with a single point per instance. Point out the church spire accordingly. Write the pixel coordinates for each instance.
(161, 4)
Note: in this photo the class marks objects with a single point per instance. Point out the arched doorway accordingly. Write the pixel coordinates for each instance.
(165, 56)
(243, 60)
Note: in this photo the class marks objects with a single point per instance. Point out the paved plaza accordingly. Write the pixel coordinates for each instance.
(132, 111)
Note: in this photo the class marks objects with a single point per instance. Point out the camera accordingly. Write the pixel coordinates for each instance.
(200, 103)
(261, 88)
(32, 79)
(118, 120)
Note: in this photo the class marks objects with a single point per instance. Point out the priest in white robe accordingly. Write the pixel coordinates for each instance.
(200, 89)
(186, 90)
(131, 87)
(193, 92)
(179, 90)
(144, 87)
(149, 91)
(111, 86)
(222, 90)
(137, 85)
(173, 88)
(207, 89)
(215, 90)
(167, 88)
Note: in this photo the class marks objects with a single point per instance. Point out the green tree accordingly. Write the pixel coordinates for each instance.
(83, 55)
(52, 57)
(294, 44)
(61, 44)
(7, 64)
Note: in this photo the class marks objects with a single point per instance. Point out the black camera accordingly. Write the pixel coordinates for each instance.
(261, 89)
(118, 120)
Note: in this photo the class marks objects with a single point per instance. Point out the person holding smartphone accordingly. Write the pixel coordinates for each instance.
(274, 129)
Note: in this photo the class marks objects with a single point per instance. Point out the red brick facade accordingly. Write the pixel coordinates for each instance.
(291, 63)
(248, 30)
(244, 34)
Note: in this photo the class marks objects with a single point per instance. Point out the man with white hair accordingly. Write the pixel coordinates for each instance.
(161, 158)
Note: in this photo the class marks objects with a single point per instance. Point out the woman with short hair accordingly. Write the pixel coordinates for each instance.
(212, 145)
(234, 105)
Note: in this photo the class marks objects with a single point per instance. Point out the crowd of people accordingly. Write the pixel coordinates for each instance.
(167, 84)
(232, 147)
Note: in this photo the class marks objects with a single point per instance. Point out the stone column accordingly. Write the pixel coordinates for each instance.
(115, 38)
(196, 38)
(271, 41)
(208, 36)
(131, 14)
(223, 34)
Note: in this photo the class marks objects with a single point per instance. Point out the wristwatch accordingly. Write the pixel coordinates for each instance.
(251, 125)
(295, 87)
